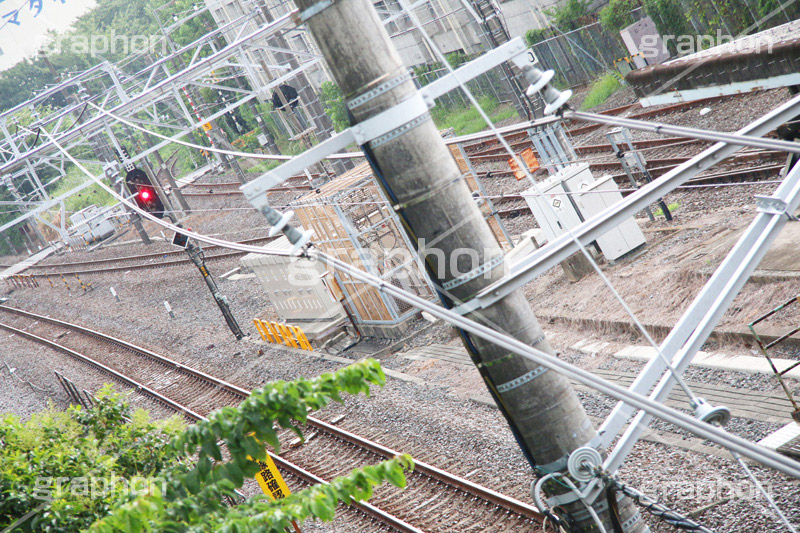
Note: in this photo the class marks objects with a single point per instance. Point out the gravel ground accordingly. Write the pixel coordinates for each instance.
(439, 423)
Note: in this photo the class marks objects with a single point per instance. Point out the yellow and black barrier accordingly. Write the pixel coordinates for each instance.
(22, 280)
(285, 334)
(87, 286)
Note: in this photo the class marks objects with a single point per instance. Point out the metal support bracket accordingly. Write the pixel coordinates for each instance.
(480, 270)
(393, 122)
(522, 380)
(772, 205)
(315, 9)
(363, 98)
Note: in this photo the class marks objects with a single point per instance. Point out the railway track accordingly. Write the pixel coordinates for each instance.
(722, 178)
(433, 501)
(490, 146)
(135, 262)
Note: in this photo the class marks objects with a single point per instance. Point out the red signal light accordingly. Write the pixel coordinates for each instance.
(144, 195)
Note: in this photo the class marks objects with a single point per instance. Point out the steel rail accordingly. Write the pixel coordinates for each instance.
(138, 257)
(143, 266)
(736, 139)
(365, 507)
(113, 373)
(431, 471)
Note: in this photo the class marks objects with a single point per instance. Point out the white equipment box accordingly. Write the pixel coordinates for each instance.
(574, 195)
(554, 198)
(618, 241)
(91, 224)
(295, 286)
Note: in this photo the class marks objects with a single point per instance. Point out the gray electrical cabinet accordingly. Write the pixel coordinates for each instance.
(296, 287)
(552, 209)
(624, 238)
(573, 195)
(91, 224)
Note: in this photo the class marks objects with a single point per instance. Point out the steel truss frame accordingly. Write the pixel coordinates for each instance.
(151, 91)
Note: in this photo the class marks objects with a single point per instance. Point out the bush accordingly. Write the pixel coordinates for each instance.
(536, 36)
(456, 59)
(617, 15)
(423, 72)
(56, 453)
(333, 101)
(567, 14)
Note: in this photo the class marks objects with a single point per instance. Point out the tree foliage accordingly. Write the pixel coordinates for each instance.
(617, 15)
(194, 478)
(567, 15)
(333, 102)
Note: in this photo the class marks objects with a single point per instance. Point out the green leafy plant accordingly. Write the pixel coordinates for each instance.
(673, 207)
(333, 102)
(537, 35)
(457, 58)
(194, 479)
(568, 14)
(601, 90)
(617, 15)
(55, 462)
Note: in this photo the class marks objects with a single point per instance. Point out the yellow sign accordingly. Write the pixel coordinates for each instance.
(207, 126)
(271, 481)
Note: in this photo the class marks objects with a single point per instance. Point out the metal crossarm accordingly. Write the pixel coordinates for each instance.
(384, 123)
(694, 327)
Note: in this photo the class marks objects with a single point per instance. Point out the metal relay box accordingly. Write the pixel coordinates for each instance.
(573, 195)
(296, 287)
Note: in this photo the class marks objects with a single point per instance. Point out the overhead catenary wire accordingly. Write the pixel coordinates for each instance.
(702, 429)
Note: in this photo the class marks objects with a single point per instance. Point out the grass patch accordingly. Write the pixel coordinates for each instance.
(264, 165)
(673, 207)
(600, 91)
(466, 120)
(93, 195)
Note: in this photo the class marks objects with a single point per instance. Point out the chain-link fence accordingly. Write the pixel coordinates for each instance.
(579, 56)
(490, 84)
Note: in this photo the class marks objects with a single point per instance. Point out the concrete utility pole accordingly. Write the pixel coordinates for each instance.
(421, 178)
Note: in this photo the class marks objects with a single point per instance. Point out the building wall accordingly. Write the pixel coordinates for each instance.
(224, 11)
(449, 24)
